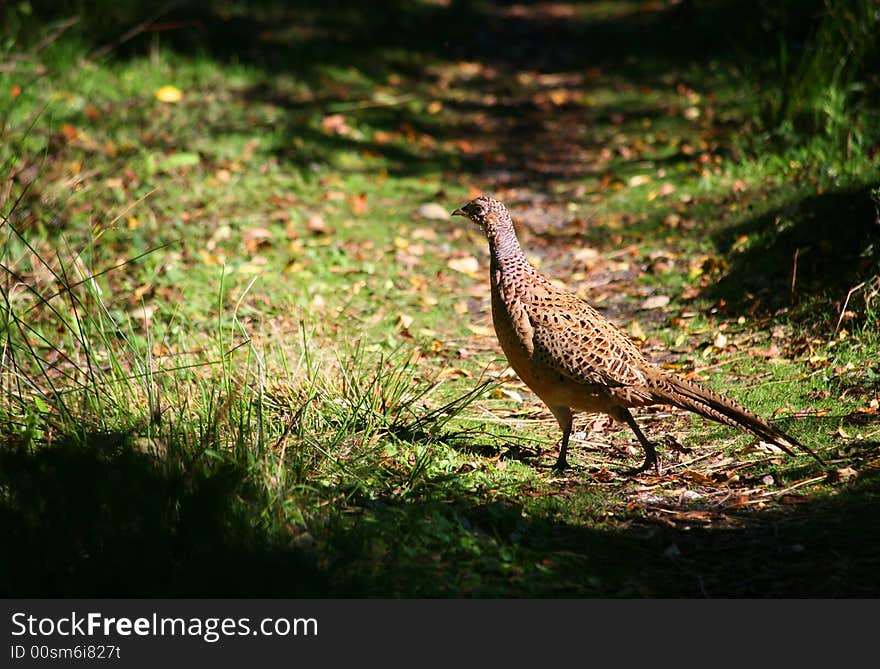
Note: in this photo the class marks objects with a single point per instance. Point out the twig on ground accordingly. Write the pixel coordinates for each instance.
(799, 484)
(846, 303)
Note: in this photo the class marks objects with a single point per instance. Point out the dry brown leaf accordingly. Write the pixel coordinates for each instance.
(382, 137)
(655, 302)
(433, 211)
(359, 204)
(255, 239)
(335, 124)
(427, 234)
(454, 373)
(771, 351)
(317, 225)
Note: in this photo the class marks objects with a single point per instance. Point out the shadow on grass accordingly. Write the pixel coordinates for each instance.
(104, 520)
(836, 236)
(345, 50)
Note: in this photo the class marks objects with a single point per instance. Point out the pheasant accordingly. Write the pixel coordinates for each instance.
(575, 359)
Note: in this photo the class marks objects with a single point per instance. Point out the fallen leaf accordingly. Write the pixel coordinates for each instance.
(454, 373)
(70, 132)
(466, 265)
(210, 258)
(143, 312)
(636, 331)
(585, 255)
(359, 204)
(697, 477)
(168, 94)
(872, 408)
(655, 302)
(428, 234)
(335, 124)
(771, 351)
(841, 474)
(559, 96)
(433, 211)
(316, 225)
(500, 393)
(482, 330)
(256, 238)
(464, 146)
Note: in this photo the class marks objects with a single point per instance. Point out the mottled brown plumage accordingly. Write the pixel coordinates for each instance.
(574, 359)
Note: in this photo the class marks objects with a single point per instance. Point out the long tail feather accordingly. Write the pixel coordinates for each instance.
(692, 396)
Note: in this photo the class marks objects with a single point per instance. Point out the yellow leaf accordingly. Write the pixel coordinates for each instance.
(168, 94)
(636, 331)
(481, 330)
(209, 258)
(559, 96)
(466, 265)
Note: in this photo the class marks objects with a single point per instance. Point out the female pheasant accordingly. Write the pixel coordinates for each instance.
(575, 359)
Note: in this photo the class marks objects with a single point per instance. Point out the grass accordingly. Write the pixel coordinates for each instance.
(239, 359)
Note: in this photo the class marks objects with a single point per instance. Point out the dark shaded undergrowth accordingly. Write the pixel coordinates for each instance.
(811, 247)
(109, 521)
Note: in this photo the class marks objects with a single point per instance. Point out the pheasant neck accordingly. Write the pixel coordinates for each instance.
(505, 248)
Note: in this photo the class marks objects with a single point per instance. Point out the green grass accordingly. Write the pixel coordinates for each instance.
(237, 361)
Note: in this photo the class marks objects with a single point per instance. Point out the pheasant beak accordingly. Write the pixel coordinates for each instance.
(459, 212)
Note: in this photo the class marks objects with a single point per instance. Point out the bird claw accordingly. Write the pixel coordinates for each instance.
(646, 465)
